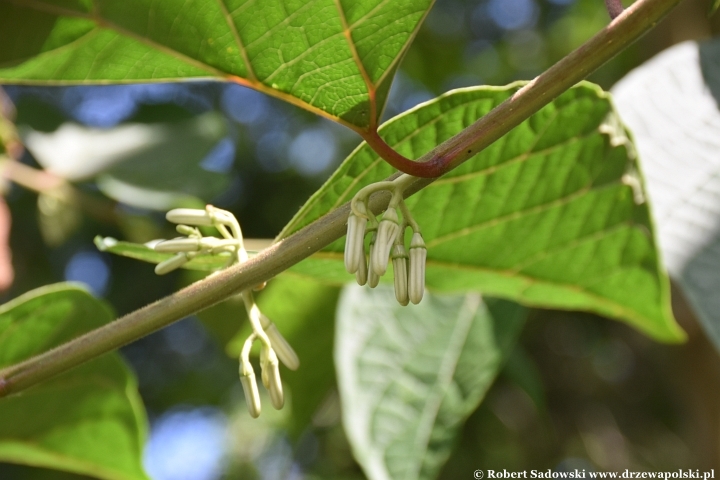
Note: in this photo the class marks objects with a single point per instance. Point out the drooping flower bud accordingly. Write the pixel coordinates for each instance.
(187, 231)
(416, 273)
(282, 348)
(400, 270)
(189, 216)
(271, 371)
(387, 231)
(354, 241)
(361, 275)
(180, 244)
(171, 263)
(373, 278)
(250, 388)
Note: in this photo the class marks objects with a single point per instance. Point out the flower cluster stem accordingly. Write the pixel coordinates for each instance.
(626, 28)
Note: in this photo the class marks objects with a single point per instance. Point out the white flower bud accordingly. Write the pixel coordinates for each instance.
(275, 385)
(387, 231)
(361, 275)
(416, 274)
(180, 244)
(171, 264)
(189, 216)
(399, 259)
(264, 376)
(282, 348)
(271, 376)
(373, 278)
(354, 242)
(250, 388)
(187, 231)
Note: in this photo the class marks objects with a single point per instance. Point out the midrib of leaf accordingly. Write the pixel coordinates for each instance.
(250, 83)
(238, 41)
(411, 38)
(361, 66)
(372, 87)
(445, 375)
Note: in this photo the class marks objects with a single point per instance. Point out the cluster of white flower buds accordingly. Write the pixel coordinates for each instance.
(274, 347)
(386, 242)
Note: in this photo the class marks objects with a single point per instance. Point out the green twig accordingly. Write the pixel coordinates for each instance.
(626, 28)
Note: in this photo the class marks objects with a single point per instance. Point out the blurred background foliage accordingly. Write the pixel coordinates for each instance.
(578, 392)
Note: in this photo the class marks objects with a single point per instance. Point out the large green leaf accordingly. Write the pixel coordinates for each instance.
(552, 215)
(335, 57)
(409, 376)
(89, 420)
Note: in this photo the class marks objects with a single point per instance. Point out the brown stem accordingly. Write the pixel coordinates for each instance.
(607, 43)
(432, 168)
(628, 27)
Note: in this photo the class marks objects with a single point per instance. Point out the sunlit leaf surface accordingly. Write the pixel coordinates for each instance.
(334, 57)
(552, 215)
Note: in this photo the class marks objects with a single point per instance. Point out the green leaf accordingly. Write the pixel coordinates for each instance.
(551, 215)
(714, 6)
(89, 420)
(334, 57)
(410, 376)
